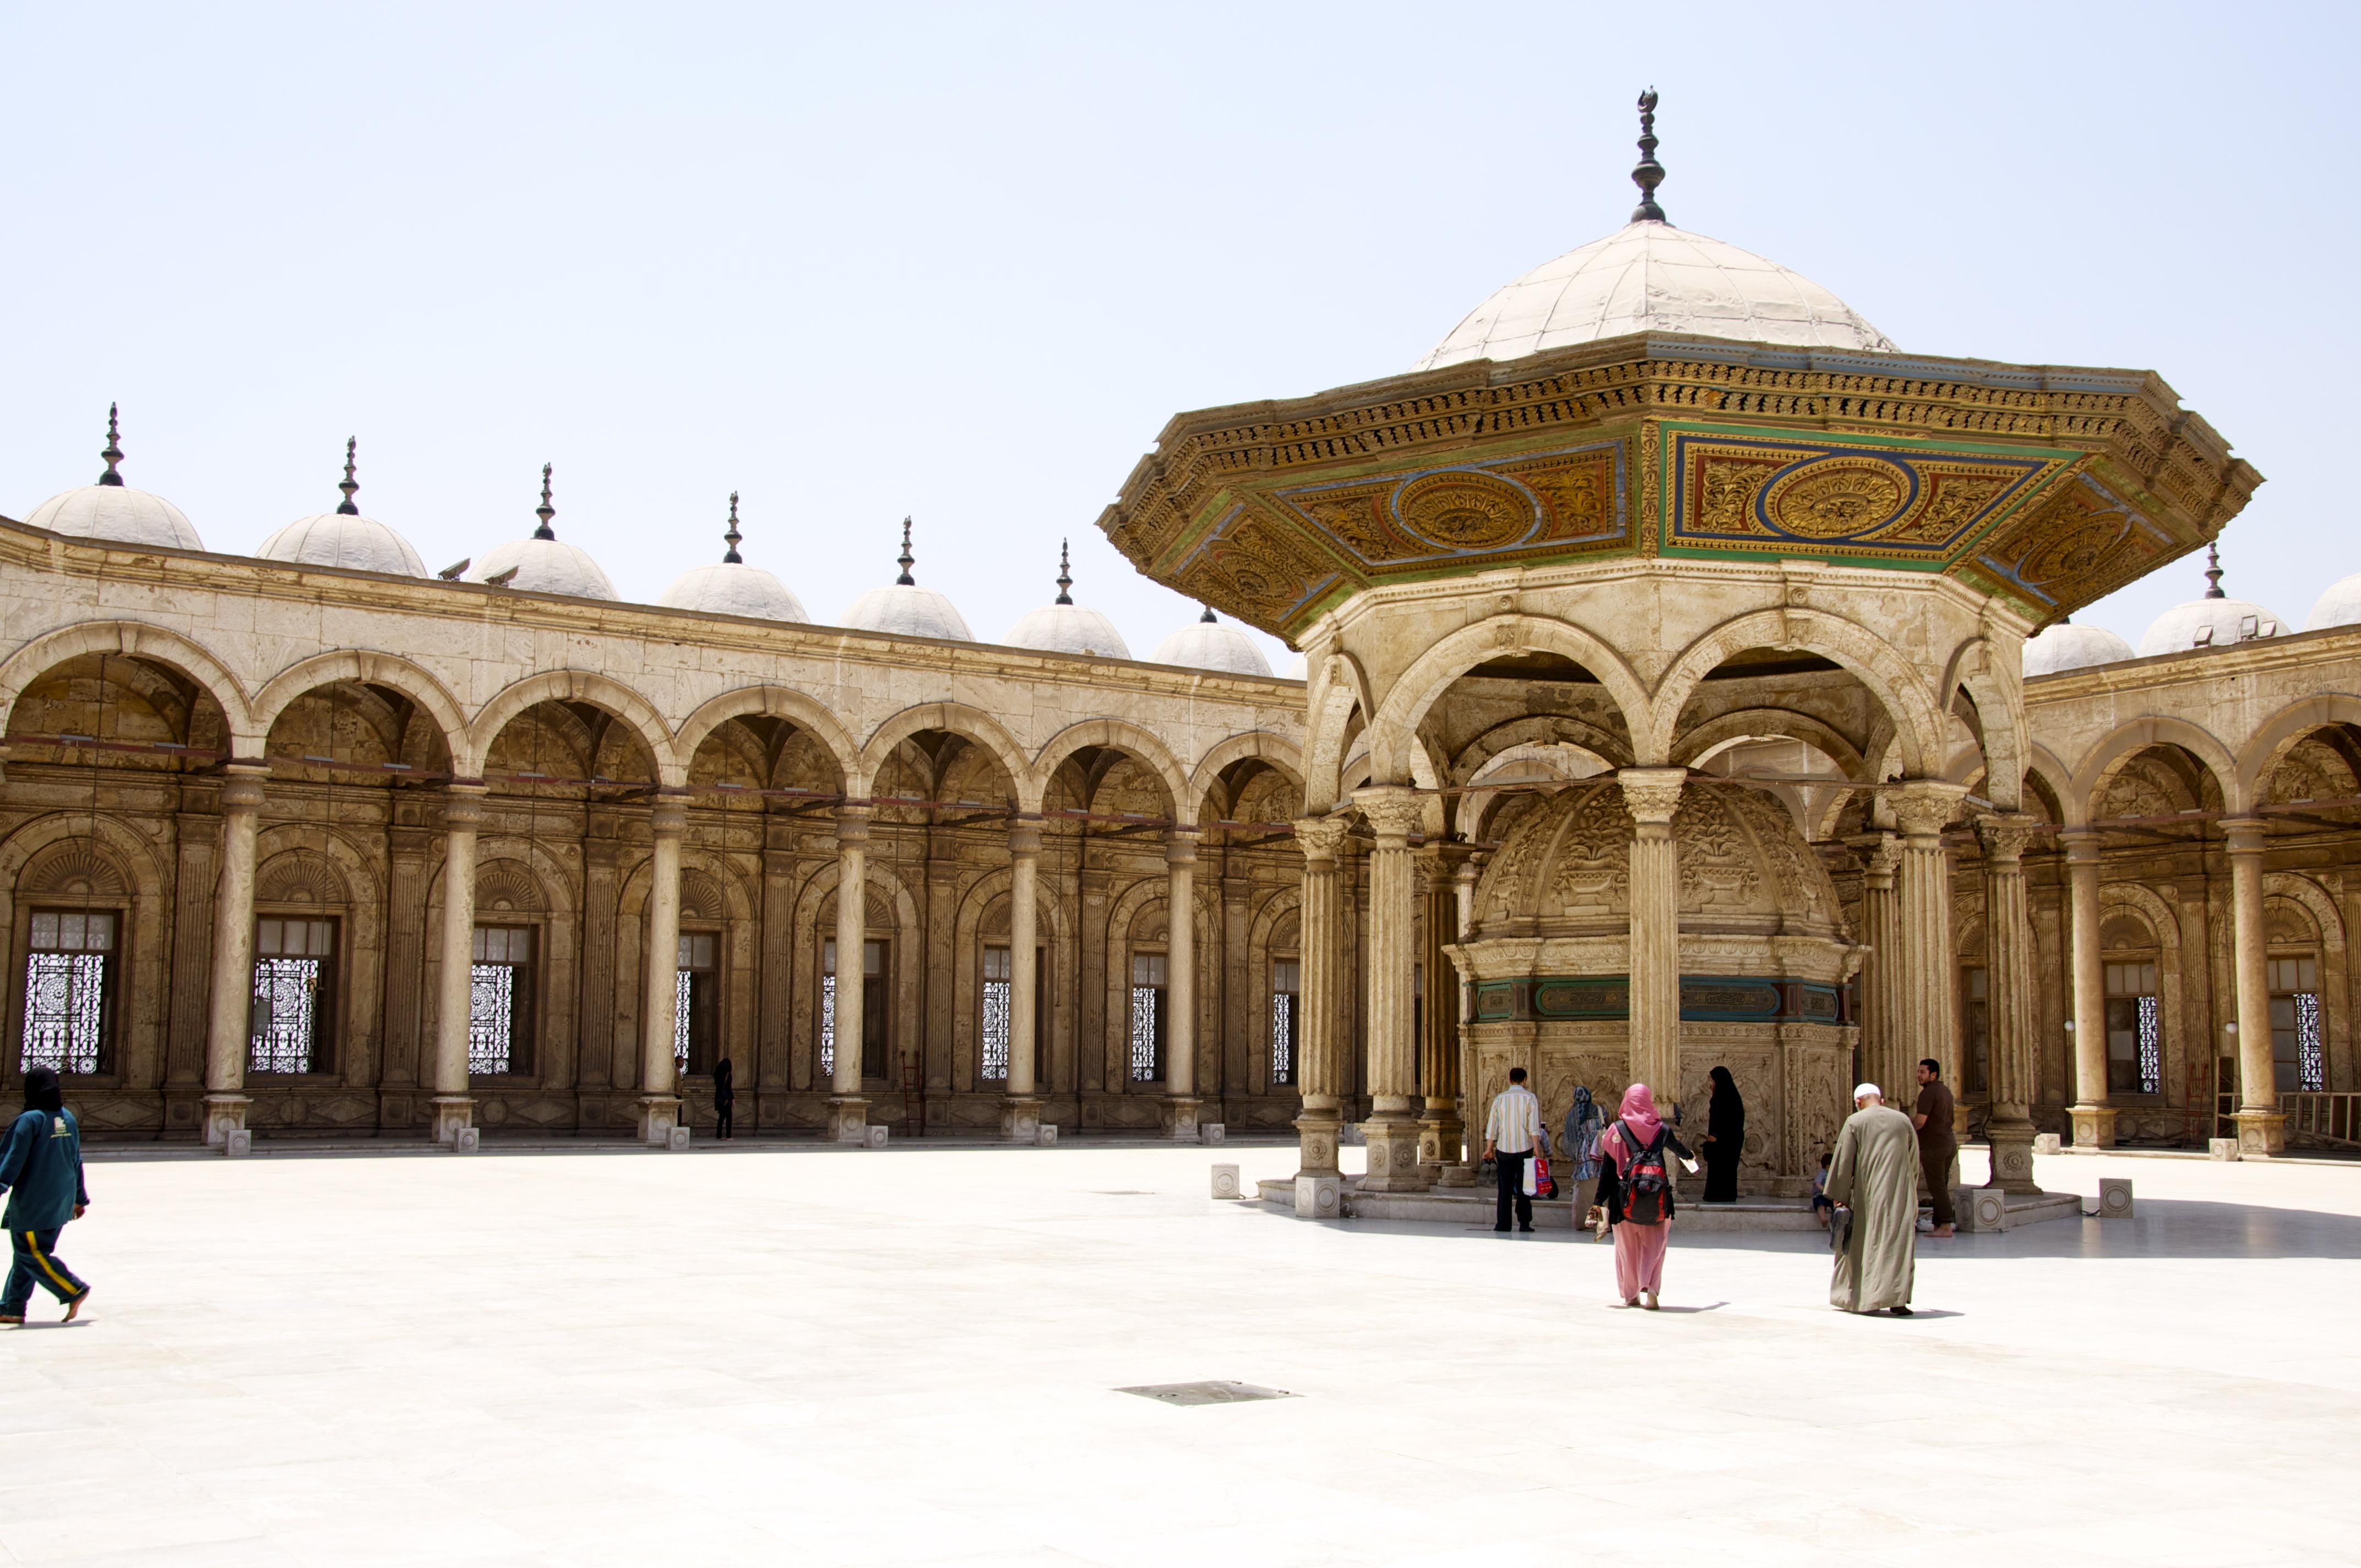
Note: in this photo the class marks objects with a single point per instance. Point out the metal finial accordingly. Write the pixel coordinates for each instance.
(907, 560)
(1206, 618)
(2214, 573)
(1649, 174)
(1065, 576)
(731, 557)
(113, 453)
(544, 511)
(352, 443)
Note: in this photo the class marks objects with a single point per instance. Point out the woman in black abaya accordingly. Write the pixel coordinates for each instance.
(1725, 1138)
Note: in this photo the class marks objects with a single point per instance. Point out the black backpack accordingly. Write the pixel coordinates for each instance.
(1647, 1190)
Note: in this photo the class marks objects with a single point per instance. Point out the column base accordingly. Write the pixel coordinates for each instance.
(2012, 1154)
(1441, 1147)
(449, 1115)
(2261, 1133)
(2094, 1126)
(1393, 1141)
(658, 1119)
(848, 1120)
(1020, 1120)
(1179, 1117)
(1316, 1132)
(225, 1124)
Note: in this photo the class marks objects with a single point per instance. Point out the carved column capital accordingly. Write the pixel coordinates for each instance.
(1181, 845)
(2246, 835)
(668, 819)
(242, 788)
(1024, 836)
(1651, 794)
(1395, 811)
(852, 825)
(2005, 836)
(462, 807)
(2081, 845)
(1923, 808)
(1880, 858)
(1321, 839)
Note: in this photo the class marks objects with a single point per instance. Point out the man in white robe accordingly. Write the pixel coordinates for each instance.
(1874, 1172)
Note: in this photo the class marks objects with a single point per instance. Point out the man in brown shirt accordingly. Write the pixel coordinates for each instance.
(1936, 1145)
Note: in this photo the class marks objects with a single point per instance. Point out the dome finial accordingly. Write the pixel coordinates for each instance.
(1206, 618)
(1649, 174)
(347, 509)
(113, 453)
(2214, 572)
(731, 557)
(907, 560)
(1065, 576)
(544, 511)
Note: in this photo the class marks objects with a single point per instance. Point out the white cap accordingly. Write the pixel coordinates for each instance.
(1863, 1090)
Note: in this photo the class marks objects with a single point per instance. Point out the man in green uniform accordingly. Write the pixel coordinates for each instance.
(40, 1165)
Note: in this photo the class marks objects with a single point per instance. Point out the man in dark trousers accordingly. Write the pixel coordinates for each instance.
(1937, 1145)
(1510, 1132)
(40, 1165)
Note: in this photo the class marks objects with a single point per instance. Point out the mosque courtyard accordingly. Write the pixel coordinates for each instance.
(784, 1353)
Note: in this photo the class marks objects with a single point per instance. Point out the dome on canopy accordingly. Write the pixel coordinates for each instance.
(2216, 621)
(114, 512)
(2340, 606)
(1065, 627)
(1651, 276)
(344, 538)
(733, 588)
(1209, 645)
(902, 609)
(542, 564)
(2063, 646)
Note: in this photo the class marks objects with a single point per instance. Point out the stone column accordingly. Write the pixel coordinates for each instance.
(1392, 1129)
(2094, 1122)
(229, 1024)
(1442, 1133)
(2262, 1130)
(1180, 1101)
(1020, 1118)
(1885, 1059)
(1927, 970)
(2008, 960)
(848, 1111)
(1651, 794)
(659, 1107)
(1319, 1069)
(452, 1108)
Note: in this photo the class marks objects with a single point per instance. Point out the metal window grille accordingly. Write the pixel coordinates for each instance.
(693, 979)
(2295, 1024)
(498, 990)
(2310, 1069)
(1284, 980)
(65, 991)
(2151, 1045)
(2135, 1019)
(684, 1009)
(828, 1010)
(1146, 1017)
(288, 1023)
(997, 977)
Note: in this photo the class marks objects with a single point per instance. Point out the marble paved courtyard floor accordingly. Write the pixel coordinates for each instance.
(797, 1356)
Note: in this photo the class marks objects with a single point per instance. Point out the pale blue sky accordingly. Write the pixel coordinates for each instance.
(964, 262)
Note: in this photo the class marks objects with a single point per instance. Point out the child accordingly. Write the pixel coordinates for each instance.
(1821, 1207)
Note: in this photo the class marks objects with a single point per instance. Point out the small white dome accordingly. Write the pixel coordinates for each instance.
(1209, 645)
(1068, 628)
(1297, 669)
(905, 609)
(734, 588)
(2065, 646)
(2340, 606)
(542, 563)
(353, 544)
(113, 511)
(1651, 276)
(2208, 624)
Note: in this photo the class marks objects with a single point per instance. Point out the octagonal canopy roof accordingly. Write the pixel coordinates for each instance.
(1651, 276)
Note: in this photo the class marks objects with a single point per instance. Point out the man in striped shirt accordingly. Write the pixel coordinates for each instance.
(1510, 1132)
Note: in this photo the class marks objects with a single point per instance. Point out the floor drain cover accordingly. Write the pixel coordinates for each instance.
(1206, 1392)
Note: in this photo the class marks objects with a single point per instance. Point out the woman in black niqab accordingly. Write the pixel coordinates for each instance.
(725, 1099)
(1725, 1138)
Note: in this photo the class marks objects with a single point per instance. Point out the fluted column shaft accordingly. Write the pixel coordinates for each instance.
(1180, 982)
(228, 1023)
(2261, 1128)
(848, 1115)
(1320, 1035)
(1441, 1128)
(2008, 976)
(1653, 795)
(2094, 1123)
(660, 1021)
(463, 819)
(1921, 808)
(1883, 1060)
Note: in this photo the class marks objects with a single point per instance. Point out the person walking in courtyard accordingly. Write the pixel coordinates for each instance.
(725, 1099)
(40, 1165)
(1871, 1173)
(1725, 1138)
(1511, 1131)
(1938, 1144)
(1579, 1148)
(1636, 1145)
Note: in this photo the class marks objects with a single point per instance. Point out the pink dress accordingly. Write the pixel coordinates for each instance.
(1639, 1249)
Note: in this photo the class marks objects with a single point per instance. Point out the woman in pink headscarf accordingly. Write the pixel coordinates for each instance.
(1640, 1145)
